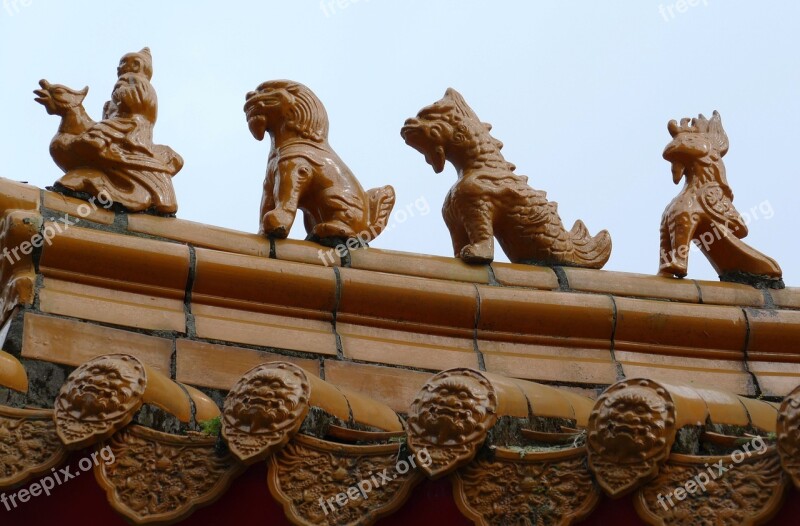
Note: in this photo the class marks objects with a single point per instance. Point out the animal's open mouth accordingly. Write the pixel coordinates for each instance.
(410, 129)
(256, 120)
(434, 155)
(42, 96)
(259, 102)
(414, 134)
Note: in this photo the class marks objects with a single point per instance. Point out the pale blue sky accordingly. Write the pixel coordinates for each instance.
(579, 92)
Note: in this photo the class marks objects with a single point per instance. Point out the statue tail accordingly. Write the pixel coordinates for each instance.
(586, 250)
(381, 202)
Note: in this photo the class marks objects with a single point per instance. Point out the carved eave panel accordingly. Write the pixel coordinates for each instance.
(788, 432)
(307, 475)
(553, 488)
(159, 478)
(749, 493)
(29, 445)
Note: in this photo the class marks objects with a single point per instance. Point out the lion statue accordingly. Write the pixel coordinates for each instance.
(489, 200)
(304, 173)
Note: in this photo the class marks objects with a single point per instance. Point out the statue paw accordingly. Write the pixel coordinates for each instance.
(671, 270)
(332, 229)
(478, 253)
(277, 223)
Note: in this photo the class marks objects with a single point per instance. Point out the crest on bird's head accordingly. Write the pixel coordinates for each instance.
(695, 141)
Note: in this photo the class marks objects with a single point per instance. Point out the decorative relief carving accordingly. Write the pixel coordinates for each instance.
(489, 200)
(307, 475)
(788, 433)
(29, 445)
(264, 410)
(631, 431)
(304, 173)
(158, 477)
(540, 489)
(450, 418)
(703, 211)
(115, 158)
(747, 494)
(99, 398)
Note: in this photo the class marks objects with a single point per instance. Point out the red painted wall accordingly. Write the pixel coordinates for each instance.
(81, 502)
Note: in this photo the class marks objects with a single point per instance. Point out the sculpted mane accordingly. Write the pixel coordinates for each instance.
(306, 115)
(470, 134)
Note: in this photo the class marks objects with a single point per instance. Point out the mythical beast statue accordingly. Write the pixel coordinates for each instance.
(490, 200)
(703, 211)
(304, 173)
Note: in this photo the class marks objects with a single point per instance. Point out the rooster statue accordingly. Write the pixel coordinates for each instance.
(703, 211)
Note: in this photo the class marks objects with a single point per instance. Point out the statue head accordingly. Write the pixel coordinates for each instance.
(58, 99)
(701, 141)
(134, 95)
(288, 106)
(139, 63)
(446, 130)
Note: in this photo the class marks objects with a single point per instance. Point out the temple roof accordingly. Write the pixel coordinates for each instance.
(371, 336)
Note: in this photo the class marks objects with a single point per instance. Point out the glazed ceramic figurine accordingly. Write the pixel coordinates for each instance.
(304, 173)
(115, 156)
(489, 200)
(703, 211)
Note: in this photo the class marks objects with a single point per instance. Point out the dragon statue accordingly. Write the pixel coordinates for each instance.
(115, 156)
(489, 200)
(304, 173)
(703, 211)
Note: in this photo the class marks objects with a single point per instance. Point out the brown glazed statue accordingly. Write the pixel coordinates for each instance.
(115, 156)
(489, 200)
(304, 173)
(703, 211)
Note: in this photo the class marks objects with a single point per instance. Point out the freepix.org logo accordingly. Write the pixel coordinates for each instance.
(703, 479)
(12, 7)
(362, 488)
(56, 477)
